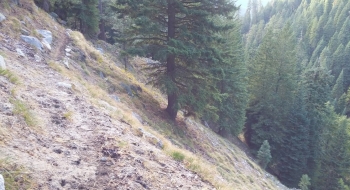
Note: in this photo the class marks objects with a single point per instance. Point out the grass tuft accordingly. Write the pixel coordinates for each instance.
(21, 109)
(15, 176)
(10, 76)
(178, 156)
(68, 115)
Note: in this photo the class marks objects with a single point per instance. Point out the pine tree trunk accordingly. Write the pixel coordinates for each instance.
(172, 95)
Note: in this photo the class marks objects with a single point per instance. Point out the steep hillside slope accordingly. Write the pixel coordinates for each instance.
(70, 118)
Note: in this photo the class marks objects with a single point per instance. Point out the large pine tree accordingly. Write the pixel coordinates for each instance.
(179, 34)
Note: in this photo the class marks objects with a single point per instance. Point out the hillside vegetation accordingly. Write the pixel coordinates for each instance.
(71, 117)
(297, 53)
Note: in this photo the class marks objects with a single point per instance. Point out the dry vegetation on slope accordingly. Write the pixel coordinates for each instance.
(61, 127)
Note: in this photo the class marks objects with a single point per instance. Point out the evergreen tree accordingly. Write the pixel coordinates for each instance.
(264, 154)
(338, 88)
(316, 82)
(88, 16)
(304, 182)
(179, 34)
(336, 159)
(272, 79)
(231, 75)
(342, 185)
(246, 20)
(294, 150)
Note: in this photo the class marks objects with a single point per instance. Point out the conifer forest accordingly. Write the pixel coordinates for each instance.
(277, 75)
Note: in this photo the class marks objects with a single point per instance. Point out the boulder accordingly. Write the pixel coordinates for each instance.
(2, 183)
(32, 41)
(2, 63)
(46, 34)
(47, 40)
(2, 17)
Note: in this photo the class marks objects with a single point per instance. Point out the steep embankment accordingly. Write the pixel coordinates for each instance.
(67, 122)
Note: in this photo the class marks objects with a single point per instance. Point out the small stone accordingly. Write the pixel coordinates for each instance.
(66, 63)
(2, 17)
(58, 151)
(64, 85)
(102, 75)
(116, 98)
(100, 50)
(103, 159)
(37, 58)
(25, 32)
(2, 63)
(20, 52)
(68, 54)
(160, 144)
(68, 50)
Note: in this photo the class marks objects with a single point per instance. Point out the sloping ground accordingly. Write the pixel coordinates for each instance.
(62, 124)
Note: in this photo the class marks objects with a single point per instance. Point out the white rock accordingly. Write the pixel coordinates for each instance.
(46, 34)
(66, 63)
(46, 44)
(33, 41)
(64, 85)
(2, 63)
(2, 17)
(2, 183)
(68, 50)
(20, 52)
(107, 105)
(37, 58)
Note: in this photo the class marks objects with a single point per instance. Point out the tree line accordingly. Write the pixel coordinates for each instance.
(297, 56)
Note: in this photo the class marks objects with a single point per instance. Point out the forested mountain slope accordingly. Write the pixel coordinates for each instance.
(297, 53)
